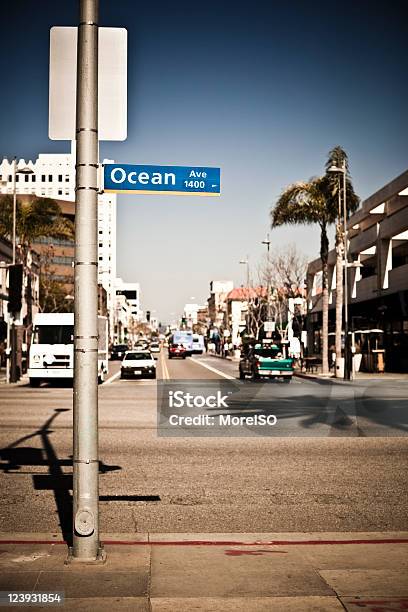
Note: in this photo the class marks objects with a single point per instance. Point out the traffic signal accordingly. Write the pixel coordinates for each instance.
(15, 282)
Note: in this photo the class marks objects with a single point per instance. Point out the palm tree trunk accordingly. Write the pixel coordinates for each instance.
(324, 255)
(339, 293)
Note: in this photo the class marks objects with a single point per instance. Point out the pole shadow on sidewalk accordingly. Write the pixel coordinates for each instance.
(14, 457)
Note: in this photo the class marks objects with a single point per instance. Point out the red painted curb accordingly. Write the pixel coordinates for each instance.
(221, 542)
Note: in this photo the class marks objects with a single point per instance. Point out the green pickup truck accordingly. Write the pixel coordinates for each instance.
(269, 360)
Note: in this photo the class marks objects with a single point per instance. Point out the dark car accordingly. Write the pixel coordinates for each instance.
(177, 350)
(265, 361)
(118, 351)
(142, 345)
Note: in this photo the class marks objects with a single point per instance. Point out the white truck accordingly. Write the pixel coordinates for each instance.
(52, 347)
(198, 344)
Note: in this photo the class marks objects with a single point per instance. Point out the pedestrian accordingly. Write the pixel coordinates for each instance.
(226, 348)
(332, 351)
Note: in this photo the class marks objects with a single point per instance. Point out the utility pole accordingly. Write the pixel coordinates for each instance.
(14, 207)
(268, 278)
(347, 355)
(86, 543)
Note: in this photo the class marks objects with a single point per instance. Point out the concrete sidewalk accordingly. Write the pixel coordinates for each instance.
(216, 572)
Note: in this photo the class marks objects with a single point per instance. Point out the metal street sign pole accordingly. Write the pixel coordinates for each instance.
(86, 544)
(11, 367)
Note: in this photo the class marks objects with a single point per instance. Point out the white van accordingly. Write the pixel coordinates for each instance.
(52, 347)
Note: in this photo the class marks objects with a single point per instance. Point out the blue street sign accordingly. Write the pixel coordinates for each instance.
(171, 180)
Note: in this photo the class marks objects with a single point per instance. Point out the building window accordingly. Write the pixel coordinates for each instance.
(55, 241)
(62, 259)
(17, 178)
(100, 244)
(67, 178)
(26, 178)
(59, 191)
(33, 178)
(50, 178)
(10, 178)
(60, 178)
(63, 278)
(43, 178)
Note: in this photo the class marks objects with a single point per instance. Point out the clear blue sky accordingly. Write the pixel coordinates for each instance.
(262, 89)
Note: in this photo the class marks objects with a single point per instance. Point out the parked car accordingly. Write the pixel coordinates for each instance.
(138, 363)
(118, 351)
(177, 350)
(261, 360)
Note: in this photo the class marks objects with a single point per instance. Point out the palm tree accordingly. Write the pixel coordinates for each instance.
(312, 202)
(338, 158)
(306, 203)
(36, 219)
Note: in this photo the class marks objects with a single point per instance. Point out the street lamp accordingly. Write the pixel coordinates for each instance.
(246, 263)
(11, 367)
(343, 170)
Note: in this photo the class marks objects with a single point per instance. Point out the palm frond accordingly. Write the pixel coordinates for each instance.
(301, 202)
(36, 219)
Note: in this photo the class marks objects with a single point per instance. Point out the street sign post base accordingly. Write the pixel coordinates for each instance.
(100, 558)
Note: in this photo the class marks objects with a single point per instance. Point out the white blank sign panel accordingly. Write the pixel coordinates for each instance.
(112, 83)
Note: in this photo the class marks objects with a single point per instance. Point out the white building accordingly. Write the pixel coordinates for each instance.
(53, 176)
(131, 291)
(122, 320)
(217, 302)
(191, 314)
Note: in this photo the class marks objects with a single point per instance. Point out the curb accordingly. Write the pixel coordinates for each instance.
(312, 376)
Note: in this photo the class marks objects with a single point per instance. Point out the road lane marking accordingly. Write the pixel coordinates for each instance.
(166, 375)
(112, 378)
(205, 365)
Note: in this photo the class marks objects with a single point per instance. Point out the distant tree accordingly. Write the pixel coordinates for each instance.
(255, 308)
(284, 272)
(54, 296)
(39, 218)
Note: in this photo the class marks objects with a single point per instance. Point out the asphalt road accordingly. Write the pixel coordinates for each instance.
(337, 462)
